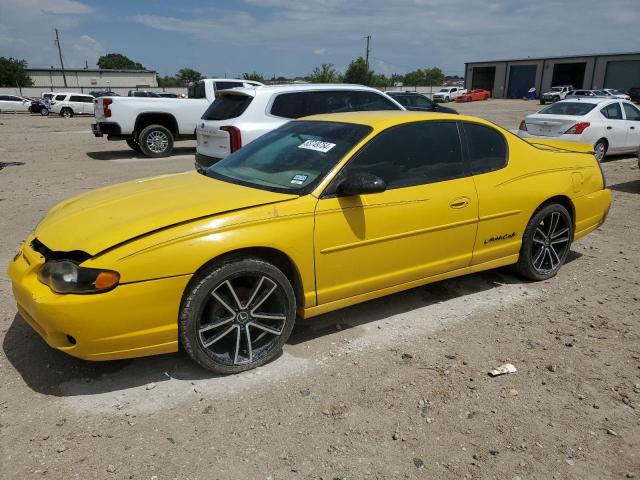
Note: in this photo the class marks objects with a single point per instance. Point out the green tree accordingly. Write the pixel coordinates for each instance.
(433, 76)
(428, 76)
(358, 72)
(381, 80)
(12, 73)
(117, 61)
(168, 81)
(187, 75)
(415, 78)
(254, 76)
(325, 73)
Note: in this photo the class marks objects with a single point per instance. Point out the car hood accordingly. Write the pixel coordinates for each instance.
(100, 219)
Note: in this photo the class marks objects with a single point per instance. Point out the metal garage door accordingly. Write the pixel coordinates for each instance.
(521, 79)
(622, 74)
(483, 77)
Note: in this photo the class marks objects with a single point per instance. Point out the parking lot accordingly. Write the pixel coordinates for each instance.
(392, 388)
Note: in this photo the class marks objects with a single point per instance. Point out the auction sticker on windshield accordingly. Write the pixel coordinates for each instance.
(299, 179)
(317, 145)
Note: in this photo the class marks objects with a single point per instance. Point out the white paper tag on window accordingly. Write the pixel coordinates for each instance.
(317, 145)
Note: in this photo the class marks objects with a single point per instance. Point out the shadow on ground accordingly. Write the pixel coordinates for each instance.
(128, 154)
(45, 370)
(632, 186)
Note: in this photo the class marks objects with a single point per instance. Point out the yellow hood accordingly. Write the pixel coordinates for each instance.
(102, 218)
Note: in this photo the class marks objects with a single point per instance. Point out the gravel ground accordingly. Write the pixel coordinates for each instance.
(393, 388)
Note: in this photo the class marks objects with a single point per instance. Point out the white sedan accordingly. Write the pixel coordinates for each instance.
(611, 126)
(13, 103)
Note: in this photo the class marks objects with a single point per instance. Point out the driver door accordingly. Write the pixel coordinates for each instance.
(422, 225)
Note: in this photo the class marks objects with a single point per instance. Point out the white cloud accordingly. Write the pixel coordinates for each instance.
(321, 51)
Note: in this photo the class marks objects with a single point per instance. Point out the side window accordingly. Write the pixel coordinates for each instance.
(76, 98)
(368, 101)
(422, 102)
(632, 112)
(412, 154)
(331, 101)
(487, 148)
(4, 97)
(59, 98)
(87, 99)
(289, 105)
(612, 112)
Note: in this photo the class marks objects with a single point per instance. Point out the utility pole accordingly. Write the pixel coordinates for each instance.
(368, 37)
(57, 42)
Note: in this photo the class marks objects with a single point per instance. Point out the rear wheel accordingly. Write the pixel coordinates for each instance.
(600, 149)
(237, 316)
(44, 111)
(156, 141)
(133, 145)
(66, 113)
(545, 243)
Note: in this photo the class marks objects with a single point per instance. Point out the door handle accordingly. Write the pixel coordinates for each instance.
(460, 202)
(632, 127)
(609, 127)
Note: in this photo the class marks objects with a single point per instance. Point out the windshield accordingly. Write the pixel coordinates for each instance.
(291, 159)
(613, 91)
(556, 89)
(568, 108)
(444, 90)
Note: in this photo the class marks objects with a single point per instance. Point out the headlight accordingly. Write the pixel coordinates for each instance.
(64, 276)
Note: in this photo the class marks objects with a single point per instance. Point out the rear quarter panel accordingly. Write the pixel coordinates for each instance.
(509, 197)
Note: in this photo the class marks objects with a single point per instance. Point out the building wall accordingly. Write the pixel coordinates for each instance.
(91, 80)
(549, 65)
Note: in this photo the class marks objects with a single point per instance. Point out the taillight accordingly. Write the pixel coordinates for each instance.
(105, 107)
(523, 126)
(235, 138)
(578, 128)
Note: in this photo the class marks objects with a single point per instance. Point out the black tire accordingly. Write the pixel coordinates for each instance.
(546, 243)
(133, 145)
(542, 102)
(156, 141)
(44, 111)
(600, 149)
(220, 300)
(66, 113)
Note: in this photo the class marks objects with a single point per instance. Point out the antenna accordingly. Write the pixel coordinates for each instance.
(368, 37)
(57, 42)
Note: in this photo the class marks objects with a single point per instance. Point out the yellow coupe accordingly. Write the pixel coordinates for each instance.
(317, 215)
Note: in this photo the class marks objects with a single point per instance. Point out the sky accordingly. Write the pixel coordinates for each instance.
(290, 37)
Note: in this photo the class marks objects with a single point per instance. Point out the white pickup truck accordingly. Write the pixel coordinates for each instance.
(448, 94)
(151, 125)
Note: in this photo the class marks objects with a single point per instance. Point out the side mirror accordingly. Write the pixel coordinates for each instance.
(362, 183)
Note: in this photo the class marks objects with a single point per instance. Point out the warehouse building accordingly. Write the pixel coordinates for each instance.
(513, 78)
(85, 80)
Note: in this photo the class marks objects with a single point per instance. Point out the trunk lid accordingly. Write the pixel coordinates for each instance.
(550, 125)
(560, 146)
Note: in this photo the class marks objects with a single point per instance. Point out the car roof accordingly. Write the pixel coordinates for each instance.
(300, 88)
(591, 100)
(380, 120)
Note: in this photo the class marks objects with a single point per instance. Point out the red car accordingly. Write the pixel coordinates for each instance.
(474, 95)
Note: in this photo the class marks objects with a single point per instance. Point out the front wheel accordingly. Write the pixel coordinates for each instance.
(600, 149)
(237, 315)
(66, 113)
(545, 243)
(44, 111)
(156, 141)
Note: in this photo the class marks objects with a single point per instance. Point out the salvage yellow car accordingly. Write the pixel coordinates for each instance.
(317, 215)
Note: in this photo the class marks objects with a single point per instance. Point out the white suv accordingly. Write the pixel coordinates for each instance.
(70, 104)
(241, 115)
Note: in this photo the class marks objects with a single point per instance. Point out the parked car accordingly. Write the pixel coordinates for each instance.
(143, 93)
(68, 104)
(634, 94)
(473, 96)
(585, 93)
(41, 106)
(168, 95)
(152, 125)
(48, 95)
(448, 94)
(609, 126)
(239, 116)
(556, 94)
(317, 215)
(417, 102)
(103, 93)
(14, 103)
(616, 93)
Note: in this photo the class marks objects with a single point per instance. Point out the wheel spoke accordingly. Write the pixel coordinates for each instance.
(264, 297)
(553, 223)
(211, 326)
(218, 337)
(553, 253)
(255, 291)
(249, 348)
(265, 328)
(560, 232)
(233, 294)
(541, 242)
(223, 303)
(539, 255)
(539, 230)
(239, 331)
(560, 240)
(269, 316)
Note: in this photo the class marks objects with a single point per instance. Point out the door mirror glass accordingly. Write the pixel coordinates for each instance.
(362, 183)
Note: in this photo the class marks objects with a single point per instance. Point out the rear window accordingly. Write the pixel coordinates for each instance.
(302, 104)
(227, 106)
(568, 108)
(228, 85)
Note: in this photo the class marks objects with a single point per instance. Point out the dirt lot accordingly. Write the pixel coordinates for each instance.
(394, 388)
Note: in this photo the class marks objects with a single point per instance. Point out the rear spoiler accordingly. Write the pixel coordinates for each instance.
(247, 92)
(560, 146)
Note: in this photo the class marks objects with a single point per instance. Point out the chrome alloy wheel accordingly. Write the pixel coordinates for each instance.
(599, 151)
(243, 319)
(550, 244)
(157, 141)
